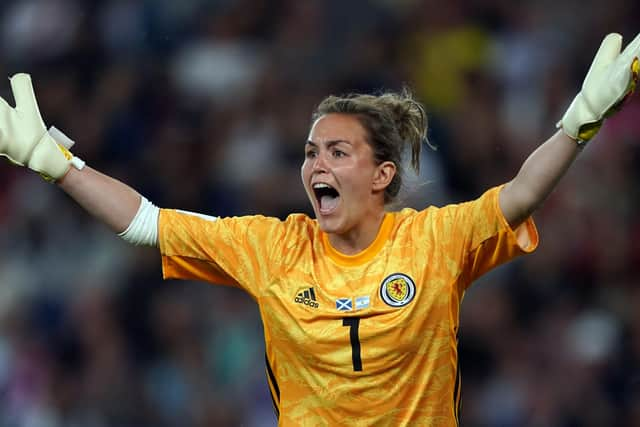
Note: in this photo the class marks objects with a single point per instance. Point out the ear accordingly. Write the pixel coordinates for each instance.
(384, 175)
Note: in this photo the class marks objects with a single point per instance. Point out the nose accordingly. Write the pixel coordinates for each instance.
(319, 164)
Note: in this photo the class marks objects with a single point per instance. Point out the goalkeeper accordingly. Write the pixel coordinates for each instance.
(358, 300)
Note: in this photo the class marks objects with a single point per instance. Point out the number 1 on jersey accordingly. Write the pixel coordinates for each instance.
(354, 323)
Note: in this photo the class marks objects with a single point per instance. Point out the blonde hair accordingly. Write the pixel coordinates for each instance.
(393, 122)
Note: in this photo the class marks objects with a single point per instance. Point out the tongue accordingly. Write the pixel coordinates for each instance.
(328, 203)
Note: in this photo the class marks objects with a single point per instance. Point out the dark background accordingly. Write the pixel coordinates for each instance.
(205, 106)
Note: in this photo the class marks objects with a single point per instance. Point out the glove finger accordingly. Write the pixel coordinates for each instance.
(633, 49)
(4, 105)
(5, 112)
(23, 94)
(608, 51)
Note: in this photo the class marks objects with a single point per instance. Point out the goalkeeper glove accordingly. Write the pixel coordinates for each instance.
(611, 79)
(24, 139)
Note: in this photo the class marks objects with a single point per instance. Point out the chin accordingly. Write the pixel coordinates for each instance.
(334, 226)
(328, 225)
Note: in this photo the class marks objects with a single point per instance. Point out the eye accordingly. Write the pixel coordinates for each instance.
(310, 154)
(339, 153)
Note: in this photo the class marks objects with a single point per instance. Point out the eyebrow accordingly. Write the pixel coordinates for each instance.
(329, 144)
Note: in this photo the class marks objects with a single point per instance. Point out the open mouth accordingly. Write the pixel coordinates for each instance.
(327, 197)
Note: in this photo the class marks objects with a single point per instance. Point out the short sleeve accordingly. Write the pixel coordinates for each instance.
(495, 242)
(233, 251)
(477, 237)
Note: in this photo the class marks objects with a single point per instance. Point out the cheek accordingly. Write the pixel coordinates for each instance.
(358, 186)
(305, 172)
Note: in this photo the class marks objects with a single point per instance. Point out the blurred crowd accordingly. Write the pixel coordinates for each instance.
(205, 106)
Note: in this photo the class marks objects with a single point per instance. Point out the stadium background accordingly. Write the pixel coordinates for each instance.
(205, 105)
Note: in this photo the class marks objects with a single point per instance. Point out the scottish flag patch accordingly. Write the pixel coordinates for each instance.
(344, 304)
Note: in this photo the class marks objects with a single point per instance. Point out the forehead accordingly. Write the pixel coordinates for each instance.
(337, 127)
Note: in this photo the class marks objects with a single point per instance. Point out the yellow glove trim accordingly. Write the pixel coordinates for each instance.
(65, 151)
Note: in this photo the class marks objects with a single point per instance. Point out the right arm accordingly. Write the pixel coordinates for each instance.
(25, 141)
(107, 199)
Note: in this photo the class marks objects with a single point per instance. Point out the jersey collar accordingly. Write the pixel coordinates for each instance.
(367, 254)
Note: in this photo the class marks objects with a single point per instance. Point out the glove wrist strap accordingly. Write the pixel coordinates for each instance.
(65, 145)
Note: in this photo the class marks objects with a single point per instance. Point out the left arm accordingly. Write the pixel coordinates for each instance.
(611, 79)
(537, 177)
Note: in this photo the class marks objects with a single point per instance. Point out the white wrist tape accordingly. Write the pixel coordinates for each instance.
(143, 230)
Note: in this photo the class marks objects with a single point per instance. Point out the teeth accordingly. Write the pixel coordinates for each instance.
(321, 185)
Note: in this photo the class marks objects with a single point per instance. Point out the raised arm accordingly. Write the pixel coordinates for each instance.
(612, 78)
(106, 198)
(25, 141)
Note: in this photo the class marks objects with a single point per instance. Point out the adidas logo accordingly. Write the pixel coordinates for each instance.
(307, 297)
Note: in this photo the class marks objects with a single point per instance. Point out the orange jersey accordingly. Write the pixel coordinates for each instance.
(363, 340)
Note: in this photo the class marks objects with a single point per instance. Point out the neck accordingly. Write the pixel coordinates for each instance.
(358, 238)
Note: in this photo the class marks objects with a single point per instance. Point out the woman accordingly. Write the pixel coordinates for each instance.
(360, 306)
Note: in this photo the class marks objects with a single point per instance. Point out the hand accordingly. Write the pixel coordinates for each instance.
(612, 77)
(24, 139)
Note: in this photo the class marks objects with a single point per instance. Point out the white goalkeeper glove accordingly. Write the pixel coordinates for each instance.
(612, 77)
(24, 140)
